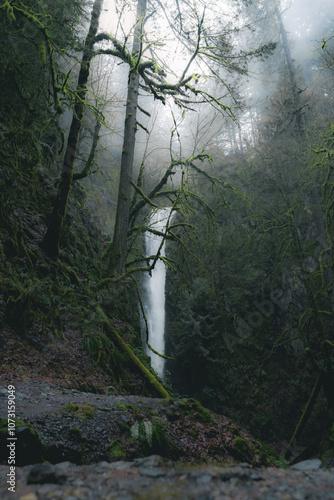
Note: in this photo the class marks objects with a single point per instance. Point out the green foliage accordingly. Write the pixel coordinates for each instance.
(99, 347)
(282, 463)
(29, 297)
(150, 437)
(254, 316)
(197, 338)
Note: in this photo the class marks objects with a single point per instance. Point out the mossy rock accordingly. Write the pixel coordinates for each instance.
(27, 448)
(81, 411)
(75, 435)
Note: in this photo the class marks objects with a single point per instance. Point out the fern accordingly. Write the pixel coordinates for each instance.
(142, 431)
(135, 431)
(148, 429)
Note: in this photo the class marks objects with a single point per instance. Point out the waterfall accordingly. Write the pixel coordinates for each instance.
(154, 292)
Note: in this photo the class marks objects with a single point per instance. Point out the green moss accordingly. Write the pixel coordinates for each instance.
(122, 406)
(75, 434)
(282, 463)
(18, 423)
(169, 401)
(128, 407)
(241, 445)
(115, 451)
(193, 408)
(81, 411)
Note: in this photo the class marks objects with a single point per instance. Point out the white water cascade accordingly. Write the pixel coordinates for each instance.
(154, 292)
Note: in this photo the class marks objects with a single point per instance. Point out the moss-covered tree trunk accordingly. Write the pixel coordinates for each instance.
(118, 249)
(52, 237)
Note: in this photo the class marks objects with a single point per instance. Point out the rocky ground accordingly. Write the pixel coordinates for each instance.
(156, 478)
(100, 446)
(56, 424)
(79, 437)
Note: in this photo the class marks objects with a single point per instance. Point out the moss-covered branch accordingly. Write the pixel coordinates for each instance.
(154, 385)
(306, 413)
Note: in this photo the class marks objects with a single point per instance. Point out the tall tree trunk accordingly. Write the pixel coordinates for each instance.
(52, 237)
(118, 250)
(291, 72)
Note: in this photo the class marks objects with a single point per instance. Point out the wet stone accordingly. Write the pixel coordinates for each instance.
(255, 477)
(300, 495)
(152, 461)
(44, 473)
(121, 465)
(64, 465)
(104, 464)
(151, 472)
(18, 395)
(48, 491)
(226, 476)
(204, 479)
(307, 465)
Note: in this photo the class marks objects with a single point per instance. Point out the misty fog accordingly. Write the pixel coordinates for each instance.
(247, 93)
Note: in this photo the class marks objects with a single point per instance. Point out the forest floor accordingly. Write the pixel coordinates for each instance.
(98, 445)
(152, 477)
